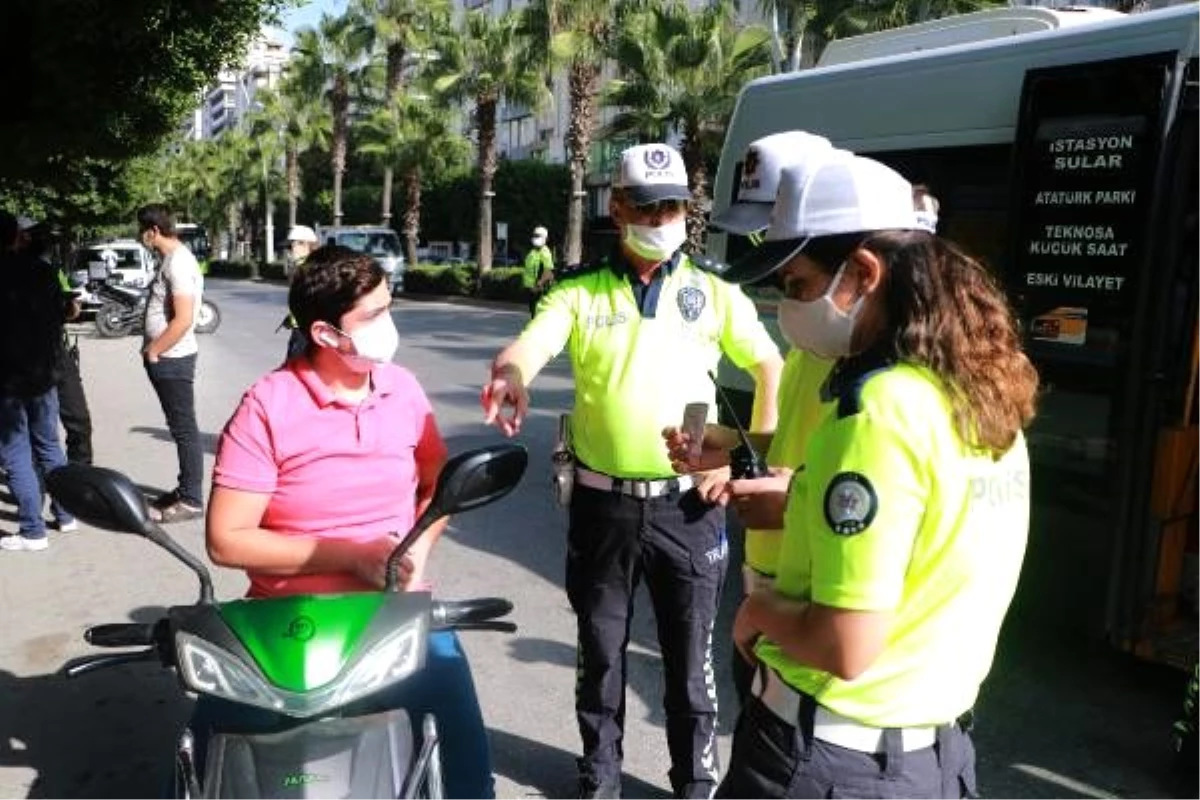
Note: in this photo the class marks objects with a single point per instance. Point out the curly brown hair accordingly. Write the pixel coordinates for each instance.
(946, 312)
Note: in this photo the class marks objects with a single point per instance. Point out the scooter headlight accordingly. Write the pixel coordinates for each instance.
(209, 669)
(390, 661)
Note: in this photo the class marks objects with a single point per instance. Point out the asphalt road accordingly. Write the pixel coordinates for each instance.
(1060, 717)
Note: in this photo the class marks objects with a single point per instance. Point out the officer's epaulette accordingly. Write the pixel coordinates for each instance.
(847, 379)
(709, 264)
(575, 270)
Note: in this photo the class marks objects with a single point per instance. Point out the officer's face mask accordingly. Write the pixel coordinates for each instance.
(655, 242)
(373, 343)
(819, 326)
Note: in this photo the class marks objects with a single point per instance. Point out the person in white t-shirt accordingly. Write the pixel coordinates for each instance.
(169, 352)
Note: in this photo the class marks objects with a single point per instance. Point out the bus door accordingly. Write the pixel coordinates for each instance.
(1094, 169)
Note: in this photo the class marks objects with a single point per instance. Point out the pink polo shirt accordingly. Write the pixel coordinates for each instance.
(334, 468)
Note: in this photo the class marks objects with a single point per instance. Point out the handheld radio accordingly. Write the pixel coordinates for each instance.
(744, 461)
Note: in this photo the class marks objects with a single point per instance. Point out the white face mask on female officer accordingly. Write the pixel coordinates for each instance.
(374, 343)
(819, 326)
(656, 242)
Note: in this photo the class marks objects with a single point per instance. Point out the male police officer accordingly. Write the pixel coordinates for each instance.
(644, 327)
(538, 270)
(302, 240)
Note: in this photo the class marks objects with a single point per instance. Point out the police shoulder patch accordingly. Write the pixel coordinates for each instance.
(850, 503)
(708, 264)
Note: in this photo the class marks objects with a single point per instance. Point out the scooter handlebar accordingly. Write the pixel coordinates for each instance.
(78, 666)
(123, 634)
(470, 613)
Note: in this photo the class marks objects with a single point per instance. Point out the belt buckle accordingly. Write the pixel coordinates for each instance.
(640, 489)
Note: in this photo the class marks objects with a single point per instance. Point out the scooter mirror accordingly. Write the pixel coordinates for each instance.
(101, 497)
(478, 477)
(467, 481)
(107, 499)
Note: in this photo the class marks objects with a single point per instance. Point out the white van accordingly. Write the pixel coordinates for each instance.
(1067, 159)
(375, 240)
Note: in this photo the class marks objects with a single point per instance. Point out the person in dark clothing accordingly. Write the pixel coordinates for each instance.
(30, 343)
(73, 408)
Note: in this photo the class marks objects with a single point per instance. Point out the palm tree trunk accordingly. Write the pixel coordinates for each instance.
(412, 213)
(485, 113)
(394, 85)
(582, 82)
(293, 184)
(341, 135)
(693, 159)
(386, 213)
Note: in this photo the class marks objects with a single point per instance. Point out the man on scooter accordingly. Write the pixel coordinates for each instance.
(325, 462)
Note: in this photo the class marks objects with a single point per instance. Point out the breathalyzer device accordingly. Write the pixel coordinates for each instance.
(694, 417)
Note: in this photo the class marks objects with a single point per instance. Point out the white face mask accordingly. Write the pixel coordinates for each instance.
(655, 243)
(819, 326)
(374, 343)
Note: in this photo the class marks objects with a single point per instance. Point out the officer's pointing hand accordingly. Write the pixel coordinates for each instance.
(505, 389)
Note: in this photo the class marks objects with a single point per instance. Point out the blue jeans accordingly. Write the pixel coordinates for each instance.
(29, 449)
(443, 688)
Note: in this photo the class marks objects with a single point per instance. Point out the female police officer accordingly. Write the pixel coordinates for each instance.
(905, 527)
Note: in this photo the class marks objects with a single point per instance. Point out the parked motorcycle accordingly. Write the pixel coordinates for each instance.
(122, 310)
(306, 658)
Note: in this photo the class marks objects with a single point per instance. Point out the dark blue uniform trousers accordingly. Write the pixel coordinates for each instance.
(677, 543)
(774, 758)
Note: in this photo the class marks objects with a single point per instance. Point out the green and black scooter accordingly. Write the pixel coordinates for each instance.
(308, 659)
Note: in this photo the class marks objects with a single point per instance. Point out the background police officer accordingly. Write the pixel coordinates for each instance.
(538, 269)
(302, 241)
(644, 327)
(905, 530)
(759, 501)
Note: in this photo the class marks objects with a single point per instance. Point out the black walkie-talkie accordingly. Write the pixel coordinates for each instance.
(744, 461)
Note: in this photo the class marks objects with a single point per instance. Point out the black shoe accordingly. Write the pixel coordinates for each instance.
(603, 792)
(165, 499)
(178, 511)
(699, 789)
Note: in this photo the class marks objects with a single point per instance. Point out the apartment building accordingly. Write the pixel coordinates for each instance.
(222, 105)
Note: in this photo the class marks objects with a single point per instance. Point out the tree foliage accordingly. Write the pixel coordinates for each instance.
(92, 83)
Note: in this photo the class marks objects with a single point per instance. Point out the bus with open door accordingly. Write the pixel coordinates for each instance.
(1066, 158)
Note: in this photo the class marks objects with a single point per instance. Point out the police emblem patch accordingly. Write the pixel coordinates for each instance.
(657, 158)
(691, 302)
(850, 503)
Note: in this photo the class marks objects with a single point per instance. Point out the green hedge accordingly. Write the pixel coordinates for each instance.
(244, 269)
(503, 283)
(458, 279)
(229, 269)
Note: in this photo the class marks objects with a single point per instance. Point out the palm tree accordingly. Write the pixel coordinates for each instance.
(488, 63)
(304, 122)
(407, 31)
(418, 136)
(679, 73)
(330, 61)
(575, 35)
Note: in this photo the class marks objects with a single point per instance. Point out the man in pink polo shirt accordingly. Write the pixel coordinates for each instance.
(325, 461)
